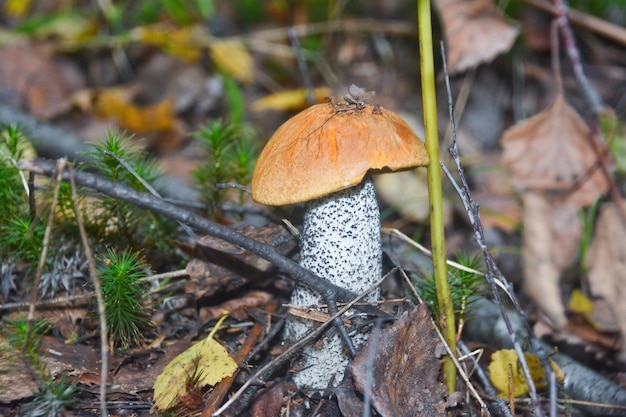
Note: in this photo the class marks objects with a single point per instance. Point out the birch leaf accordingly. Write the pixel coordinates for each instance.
(476, 32)
(505, 360)
(207, 359)
(551, 153)
(233, 59)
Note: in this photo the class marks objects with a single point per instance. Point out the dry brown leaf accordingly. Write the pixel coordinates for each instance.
(406, 368)
(606, 259)
(493, 190)
(551, 239)
(30, 77)
(475, 31)
(551, 153)
(237, 308)
(269, 401)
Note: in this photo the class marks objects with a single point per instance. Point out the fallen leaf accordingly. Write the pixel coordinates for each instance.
(17, 9)
(207, 360)
(550, 153)
(70, 28)
(499, 211)
(505, 359)
(606, 259)
(290, 100)
(579, 303)
(158, 117)
(551, 240)
(31, 78)
(406, 368)
(493, 190)
(475, 32)
(269, 401)
(237, 308)
(233, 59)
(178, 42)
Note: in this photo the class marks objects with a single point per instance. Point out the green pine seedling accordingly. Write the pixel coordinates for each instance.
(16, 331)
(124, 295)
(464, 287)
(228, 157)
(53, 398)
(21, 236)
(117, 223)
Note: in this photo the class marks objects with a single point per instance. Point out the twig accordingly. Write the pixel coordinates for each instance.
(473, 214)
(593, 98)
(165, 275)
(48, 302)
(304, 70)
(574, 56)
(369, 368)
(148, 187)
(599, 26)
(58, 170)
(484, 379)
(104, 352)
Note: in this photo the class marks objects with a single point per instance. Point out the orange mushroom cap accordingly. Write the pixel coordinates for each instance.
(326, 148)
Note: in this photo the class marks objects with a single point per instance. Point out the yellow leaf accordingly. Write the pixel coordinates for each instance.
(17, 8)
(233, 59)
(158, 117)
(499, 372)
(69, 28)
(178, 42)
(560, 375)
(290, 100)
(207, 360)
(580, 303)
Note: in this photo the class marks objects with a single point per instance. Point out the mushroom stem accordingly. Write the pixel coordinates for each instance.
(340, 242)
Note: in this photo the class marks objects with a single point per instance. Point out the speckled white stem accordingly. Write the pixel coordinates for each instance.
(340, 242)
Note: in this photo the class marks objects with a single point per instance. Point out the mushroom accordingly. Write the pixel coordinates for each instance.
(324, 156)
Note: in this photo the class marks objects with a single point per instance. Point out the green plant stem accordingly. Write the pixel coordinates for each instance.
(444, 299)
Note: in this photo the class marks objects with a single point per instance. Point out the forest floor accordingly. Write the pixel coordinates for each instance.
(186, 94)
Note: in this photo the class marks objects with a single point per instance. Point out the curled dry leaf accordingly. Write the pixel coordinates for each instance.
(405, 379)
(475, 31)
(551, 238)
(606, 260)
(551, 152)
